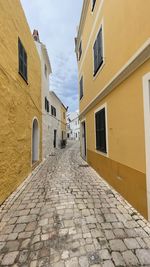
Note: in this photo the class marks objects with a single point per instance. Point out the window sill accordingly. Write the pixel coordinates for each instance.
(102, 153)
(98, 70)
(23, 77)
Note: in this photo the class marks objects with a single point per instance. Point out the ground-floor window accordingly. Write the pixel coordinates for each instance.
(100, 121)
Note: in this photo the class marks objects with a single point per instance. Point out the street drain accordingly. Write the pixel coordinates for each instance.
(84, 165)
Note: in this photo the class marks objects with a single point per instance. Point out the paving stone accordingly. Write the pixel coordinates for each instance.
(143, 255)
(130, 258)
(131, 243)
(104, 254)
(83, 261)
(117, 245)
(19, 228)
(12, 245)
(9, 258)
(108, 264)
(118, 259)
(73, 262)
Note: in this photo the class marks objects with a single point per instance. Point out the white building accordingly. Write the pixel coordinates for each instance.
(73, 126)
(58, 131)
(45, 72)
(51, 105)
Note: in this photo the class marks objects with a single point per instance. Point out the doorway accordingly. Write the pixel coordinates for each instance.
(35, 141)
(83, 141)
(55, 135)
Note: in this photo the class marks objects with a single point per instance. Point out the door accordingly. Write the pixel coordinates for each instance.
(83, 142)
(55, 134)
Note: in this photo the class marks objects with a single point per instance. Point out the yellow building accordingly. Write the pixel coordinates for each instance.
(113, 51)
(20, 98)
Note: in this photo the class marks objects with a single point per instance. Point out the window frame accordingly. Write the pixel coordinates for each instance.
(95, 74)
(106, 154)
(93, 3)
(21, 58)
(80, 51)
(46, 104)
(53, 111)
(81, 95)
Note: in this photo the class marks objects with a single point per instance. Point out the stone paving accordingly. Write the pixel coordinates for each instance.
(65, 215)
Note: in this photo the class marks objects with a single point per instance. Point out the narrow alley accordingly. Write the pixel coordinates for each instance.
(65, 215)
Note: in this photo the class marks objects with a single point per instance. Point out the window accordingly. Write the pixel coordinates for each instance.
(81, 88)
(101, 131)
(93, 4)
(80, 50)
(98, 52)
(53, 111)
(64, 115)
(22, 61)
(46, 105)
(45, 70)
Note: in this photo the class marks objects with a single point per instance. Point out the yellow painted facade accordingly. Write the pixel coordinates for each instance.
(20, 102)
(118, 85)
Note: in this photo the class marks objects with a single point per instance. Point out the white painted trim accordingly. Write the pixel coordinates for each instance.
(103, 44)
(146, 99)
(106, 122)
(84, 120)
(35, 118)
(92, 32)
(141, 56)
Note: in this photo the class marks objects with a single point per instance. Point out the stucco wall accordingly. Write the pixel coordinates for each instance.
(46, 119)
(19, 102)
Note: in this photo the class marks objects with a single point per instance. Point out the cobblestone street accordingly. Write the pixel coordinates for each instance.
(65, 215)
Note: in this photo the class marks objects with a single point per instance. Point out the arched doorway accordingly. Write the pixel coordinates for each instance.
(35, 141)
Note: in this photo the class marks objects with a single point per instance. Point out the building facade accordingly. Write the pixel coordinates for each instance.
(20, 99)
(73, 126)
(46, 118)
(58, 121)
(113, 52)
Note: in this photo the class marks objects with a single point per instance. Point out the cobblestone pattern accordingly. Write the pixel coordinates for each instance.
(65, 215)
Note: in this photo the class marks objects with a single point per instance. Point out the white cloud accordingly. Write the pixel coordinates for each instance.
(56, 22)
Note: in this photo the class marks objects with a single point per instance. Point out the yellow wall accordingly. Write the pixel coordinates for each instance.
(126, 29)
(124, 22)
(19, 102)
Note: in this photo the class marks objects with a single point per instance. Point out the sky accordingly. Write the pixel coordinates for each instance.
(57, 23)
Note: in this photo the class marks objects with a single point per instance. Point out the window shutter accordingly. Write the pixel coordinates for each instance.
(101, 131)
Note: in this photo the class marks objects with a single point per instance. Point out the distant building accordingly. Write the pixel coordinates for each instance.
(20, 99)
(73, 126)
(58, 121)
(45, 72)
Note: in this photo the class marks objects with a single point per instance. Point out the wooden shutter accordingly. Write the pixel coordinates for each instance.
(101, 131)
(81, 88)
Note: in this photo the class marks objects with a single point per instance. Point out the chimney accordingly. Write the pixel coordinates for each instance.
(36, 36)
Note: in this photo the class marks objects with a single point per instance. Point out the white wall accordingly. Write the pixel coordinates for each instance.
(56, 121)
(73, 126)
(46, 119)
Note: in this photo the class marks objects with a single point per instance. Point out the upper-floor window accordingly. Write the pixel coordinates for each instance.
(93, 4)
(64, 115)
(53, 111)
(22, 60)
(46, 105)
(100, 121)
(80, 50)
(45, 70)
(81, 88)
(98, 52)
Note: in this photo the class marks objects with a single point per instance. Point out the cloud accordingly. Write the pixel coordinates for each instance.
(57, 22)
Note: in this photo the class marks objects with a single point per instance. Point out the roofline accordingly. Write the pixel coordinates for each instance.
(82, 19)
(52, 92)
